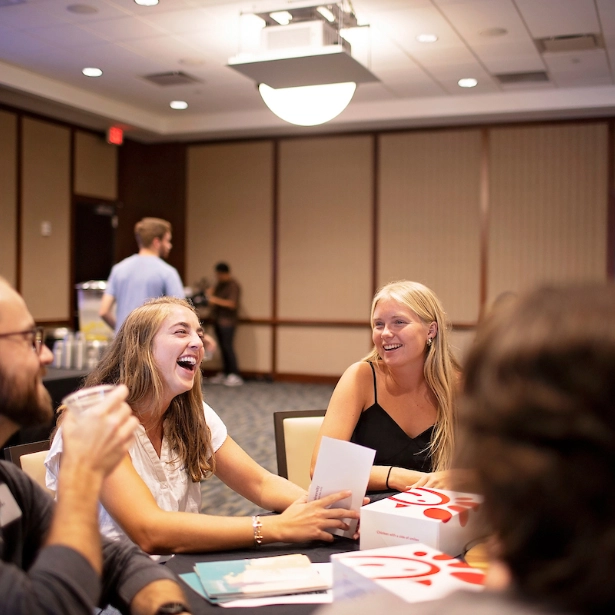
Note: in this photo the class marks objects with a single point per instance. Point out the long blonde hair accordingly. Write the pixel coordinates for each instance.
(440, 369)
(129, 360)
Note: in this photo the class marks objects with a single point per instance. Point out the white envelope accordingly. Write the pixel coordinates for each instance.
(342, 465)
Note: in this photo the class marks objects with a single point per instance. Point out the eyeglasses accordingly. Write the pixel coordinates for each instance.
(35, 335)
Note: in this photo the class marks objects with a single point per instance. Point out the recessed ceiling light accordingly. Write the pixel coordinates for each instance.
(326, 13)
(82, 9)
(92, 72)
(282, 17)
(178, 104)
(468, 82)
(426, 38)
(146, 2)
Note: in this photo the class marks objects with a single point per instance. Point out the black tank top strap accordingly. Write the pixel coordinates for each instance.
(375, 391)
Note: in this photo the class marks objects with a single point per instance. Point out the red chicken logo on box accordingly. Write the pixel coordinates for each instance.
(441, 506)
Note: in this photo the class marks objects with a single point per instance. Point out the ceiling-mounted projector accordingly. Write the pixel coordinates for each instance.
(304, 68)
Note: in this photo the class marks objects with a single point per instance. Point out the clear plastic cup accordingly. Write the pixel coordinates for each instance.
(83, 399)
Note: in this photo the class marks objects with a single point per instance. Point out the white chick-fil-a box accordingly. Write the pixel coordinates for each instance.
(444, 520)
(414, 572)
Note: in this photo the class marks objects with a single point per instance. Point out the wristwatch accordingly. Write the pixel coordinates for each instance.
(172, 608)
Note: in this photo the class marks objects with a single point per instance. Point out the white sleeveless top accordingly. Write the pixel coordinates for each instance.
(165, 476)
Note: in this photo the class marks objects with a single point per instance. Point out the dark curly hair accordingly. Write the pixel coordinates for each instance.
(538, 424)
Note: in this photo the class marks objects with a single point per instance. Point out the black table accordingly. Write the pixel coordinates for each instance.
(317, 551)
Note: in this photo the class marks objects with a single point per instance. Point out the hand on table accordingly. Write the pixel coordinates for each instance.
(303, 520)
(437, 480)
(100, 437)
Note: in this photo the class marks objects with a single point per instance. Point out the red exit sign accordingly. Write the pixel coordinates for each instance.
(115, 135)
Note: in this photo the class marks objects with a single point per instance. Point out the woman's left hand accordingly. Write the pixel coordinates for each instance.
(437, 480)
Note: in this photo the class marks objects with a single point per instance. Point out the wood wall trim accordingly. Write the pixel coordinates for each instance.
(72, 225)
(19, 202)
(289, 322)
(275, 222)
(375, 209)
(610, 236)
(484, 222)
(304, 378)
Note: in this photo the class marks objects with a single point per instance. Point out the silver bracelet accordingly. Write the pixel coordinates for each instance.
(257, 526)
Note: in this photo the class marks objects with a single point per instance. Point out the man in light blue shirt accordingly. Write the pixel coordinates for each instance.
(141, 276)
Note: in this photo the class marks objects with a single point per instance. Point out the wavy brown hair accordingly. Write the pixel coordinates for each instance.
(441, 370)
(538, 428)
(129, 360)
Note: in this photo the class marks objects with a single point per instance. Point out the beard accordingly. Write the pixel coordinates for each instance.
(26, 404)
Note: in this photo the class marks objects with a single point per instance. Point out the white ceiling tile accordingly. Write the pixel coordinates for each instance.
(181, 21)
(546, 18)
(59, 10)
(132, 8)
(129, 41)
(161, 47)
(18, 45)
(216, 43)
(518, 64)
(471, 17)
(585, 68)
(25, 16)
(66, 35)
(122, 29)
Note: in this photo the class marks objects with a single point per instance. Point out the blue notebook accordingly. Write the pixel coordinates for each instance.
(258, 577)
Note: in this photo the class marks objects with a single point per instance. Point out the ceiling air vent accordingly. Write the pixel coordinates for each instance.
(571, 42)
(172, 78)
(519, 78)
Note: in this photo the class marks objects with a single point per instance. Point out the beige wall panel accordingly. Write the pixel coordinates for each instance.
(253, 348)
(46, 197)
(461, 340)
(548, 213)
(8, 196)
(320, 351)
(428, 225)
(325, 245)
(95, 166)
(229, 218)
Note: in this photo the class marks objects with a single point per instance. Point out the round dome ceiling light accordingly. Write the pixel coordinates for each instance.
(468, 82)
(92, 72)
(146, 2)
(426, 38)
(178, 104)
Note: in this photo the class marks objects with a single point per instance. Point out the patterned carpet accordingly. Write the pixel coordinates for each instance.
(247, 412)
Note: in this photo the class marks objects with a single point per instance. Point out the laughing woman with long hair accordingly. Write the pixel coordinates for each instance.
(153, 493)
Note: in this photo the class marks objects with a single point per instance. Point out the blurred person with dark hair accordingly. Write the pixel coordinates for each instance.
(538, 424)
(224, 299)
